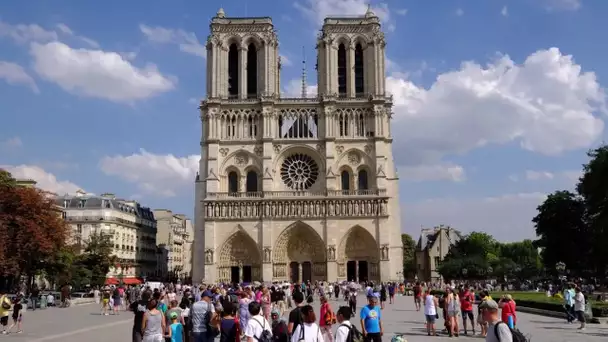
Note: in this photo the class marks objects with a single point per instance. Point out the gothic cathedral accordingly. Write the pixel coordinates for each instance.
(296, 189)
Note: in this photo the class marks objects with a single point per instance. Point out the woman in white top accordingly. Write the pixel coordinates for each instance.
(430, 311)
(308, 331)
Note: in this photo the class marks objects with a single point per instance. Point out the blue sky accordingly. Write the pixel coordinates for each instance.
(496, 101)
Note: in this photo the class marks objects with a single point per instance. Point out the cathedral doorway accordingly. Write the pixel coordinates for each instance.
(247, 274)
(359, 252)
(239, 259)
(235, 274)
(299, 255)
(294, 272)
(351, 270)
(306, 271)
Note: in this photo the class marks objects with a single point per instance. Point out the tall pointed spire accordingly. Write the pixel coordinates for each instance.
(304, 87)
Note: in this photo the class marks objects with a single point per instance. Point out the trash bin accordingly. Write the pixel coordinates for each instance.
(43, 302)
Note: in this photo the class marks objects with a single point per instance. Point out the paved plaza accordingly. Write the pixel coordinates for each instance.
(83, 323)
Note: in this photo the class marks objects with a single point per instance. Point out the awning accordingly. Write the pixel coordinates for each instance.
(111, 281)
(131, 281)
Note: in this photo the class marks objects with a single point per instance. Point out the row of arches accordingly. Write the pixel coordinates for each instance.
(252, 181)
(235, 61)
(299, 254)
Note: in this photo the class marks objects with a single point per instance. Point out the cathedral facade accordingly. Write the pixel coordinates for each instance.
(296, 189)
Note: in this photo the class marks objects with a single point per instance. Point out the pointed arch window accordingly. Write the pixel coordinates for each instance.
(252, 181)
(345, 180)
(233, 70)
(359, 71)
(233, 183)
(252, 71)
(342, 70)
(362, 180)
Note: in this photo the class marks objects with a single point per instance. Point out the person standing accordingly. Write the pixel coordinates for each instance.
(343, 317)
(371, 320)
(5, 307)
(579, 307)
(308, 331)
(498, 331)
(153, 324)
(466, 308)
(203, 317)
(430, 312)
(326, 320)
(295, 316)
(417, 295)
(569, 303)
(139, 308)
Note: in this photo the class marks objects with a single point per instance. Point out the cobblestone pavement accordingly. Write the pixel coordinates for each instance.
(83, 323)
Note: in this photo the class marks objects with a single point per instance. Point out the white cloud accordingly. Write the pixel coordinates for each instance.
(507, 218)
(563, 5)
(12, 143)
(565, 178)
(186, 41)
(160, 175)
(45, 181)
(436, 172)
(63, 28)
(317, 10)
(459, 12)
(402, 11)
(97, 73)
(24, 33)
(285, 61)
(546, 104)
(294, 89)
(504, 11)
(14, 74)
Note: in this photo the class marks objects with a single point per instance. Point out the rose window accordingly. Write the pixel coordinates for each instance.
(299, 171)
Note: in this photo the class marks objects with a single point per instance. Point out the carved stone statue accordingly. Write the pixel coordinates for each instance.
(209, 256)
(267, 253)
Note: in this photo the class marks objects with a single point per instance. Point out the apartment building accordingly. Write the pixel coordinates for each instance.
(174, 237)
(130, 226)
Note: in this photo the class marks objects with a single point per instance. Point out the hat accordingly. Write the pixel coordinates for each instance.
(489, 304)
(207, 293)
(173, 315)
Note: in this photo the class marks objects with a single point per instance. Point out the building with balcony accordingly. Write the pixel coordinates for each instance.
(433, 245)
(174, 234)
(297, 189)
(130, 227)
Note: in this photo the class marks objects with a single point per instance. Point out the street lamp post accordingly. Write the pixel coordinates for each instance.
(490, 270)
(464, 272)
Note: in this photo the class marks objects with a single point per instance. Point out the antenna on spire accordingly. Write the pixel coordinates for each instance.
(304, 91)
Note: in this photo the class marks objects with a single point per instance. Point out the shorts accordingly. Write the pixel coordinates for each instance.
(452, 313)
(116, 302)
(431, 318)
(580, 315)
(105, 301)
(4, 320)
(18, 318)
(467, 313)
(417, 299)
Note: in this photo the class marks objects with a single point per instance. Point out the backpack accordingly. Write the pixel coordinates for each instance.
(518, 336)
(354, 335)
(212, 330)
(265, 336)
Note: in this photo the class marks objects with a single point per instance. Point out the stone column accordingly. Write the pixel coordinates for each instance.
(300, 279)
(240, 272)
(357, 271)
(242, 73)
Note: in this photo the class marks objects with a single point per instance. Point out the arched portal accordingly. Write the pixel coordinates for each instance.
(299, 255)
(358, 256)
(239, 259)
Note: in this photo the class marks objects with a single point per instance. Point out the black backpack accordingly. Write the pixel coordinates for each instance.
(518, 336)
(354, 335)
(265, 336)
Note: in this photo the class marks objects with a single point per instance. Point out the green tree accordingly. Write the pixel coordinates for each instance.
(593, 187)
(475, 253)
(522, 258)
(97, 258)
(563, 233)
(409, 255)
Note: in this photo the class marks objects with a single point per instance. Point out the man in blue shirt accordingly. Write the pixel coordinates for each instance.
(371, 320)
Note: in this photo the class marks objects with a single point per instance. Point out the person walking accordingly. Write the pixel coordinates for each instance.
(371, 320)
(498, 331)
(153, 324)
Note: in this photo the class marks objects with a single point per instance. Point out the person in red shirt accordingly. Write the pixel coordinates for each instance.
(417, 295)
(467, 298)
(507, 304)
